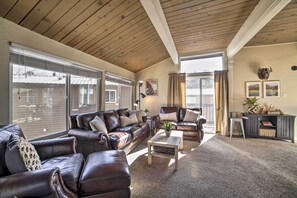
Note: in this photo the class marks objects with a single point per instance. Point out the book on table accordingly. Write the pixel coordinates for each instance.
(267, 123)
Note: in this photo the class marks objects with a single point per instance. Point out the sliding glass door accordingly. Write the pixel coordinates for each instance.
(200, 93)
(200, 84)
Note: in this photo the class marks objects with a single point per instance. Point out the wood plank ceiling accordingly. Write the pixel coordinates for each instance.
(205, 25)
(281, 29)
(120, 32)
(116, 31)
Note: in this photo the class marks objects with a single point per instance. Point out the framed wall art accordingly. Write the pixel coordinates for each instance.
(151, 87)
(253, 89)
(271, 89)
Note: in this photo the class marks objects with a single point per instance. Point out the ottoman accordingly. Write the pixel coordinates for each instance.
(105, 174)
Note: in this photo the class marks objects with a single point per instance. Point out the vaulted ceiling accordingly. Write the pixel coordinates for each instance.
(120, 32)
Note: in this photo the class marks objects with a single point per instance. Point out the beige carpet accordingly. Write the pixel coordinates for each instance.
(219, 167)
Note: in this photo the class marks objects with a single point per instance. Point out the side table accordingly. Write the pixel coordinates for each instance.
(149, 121)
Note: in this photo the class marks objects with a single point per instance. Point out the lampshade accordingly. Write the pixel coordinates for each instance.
(136, 103)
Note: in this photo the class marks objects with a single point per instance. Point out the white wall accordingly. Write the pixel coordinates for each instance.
(11, 32)
(280, 58)
(160, 72)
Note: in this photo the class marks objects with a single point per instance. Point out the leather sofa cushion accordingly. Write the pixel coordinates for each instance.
(128, 128)
(104, 172)
(70, 167)
(187, 126)
(171, 110)
(137, 131)
(123, 112)
(84, 119)
(112, 120)
(119, 140)
(5, 133)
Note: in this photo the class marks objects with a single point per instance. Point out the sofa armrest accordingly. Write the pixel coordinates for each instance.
(156, 118)
(155, 123)
(85, 135)
(39, 183)
(200, 122)
(90, 141)
(55, 147)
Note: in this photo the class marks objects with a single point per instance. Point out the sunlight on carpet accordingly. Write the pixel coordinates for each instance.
(142, 149)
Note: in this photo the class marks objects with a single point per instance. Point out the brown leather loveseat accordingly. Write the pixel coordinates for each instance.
(191, 130)
(123, 138)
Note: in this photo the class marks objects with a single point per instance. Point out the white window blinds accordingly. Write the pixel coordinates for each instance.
(118, 79)
(23, 56)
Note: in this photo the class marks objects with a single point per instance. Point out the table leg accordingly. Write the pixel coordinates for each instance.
(182, 143)
(176, 158)
(149, 156)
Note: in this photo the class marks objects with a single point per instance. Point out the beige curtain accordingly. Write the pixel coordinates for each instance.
(176, 90)
(222, 101)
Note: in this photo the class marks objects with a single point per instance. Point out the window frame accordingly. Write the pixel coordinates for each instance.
(120, 82)
(204, 56)
(115, 96)
(74, 68)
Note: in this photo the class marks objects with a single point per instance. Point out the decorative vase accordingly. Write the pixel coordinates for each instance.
(167, 133)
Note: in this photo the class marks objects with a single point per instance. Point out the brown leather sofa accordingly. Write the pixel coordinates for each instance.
(64, 172)
(123, 138)
(191, 130)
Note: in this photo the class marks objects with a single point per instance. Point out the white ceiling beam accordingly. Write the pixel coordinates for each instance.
(155, 12)
(260, 16)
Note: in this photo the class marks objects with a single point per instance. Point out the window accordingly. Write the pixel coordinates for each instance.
(202, 64)
(200, 85)
(118, 92)
(110, 96)
(83, 92)
(38, 101)
(46, 90)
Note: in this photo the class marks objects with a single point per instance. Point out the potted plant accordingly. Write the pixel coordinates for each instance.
(252, 104)
(167, 127)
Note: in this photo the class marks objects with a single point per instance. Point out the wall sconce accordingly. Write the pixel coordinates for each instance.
(263, 73)
(294, 67)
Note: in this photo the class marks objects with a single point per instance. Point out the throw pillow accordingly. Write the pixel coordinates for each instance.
(191, 116)
(125, 121)
(138, 114)
(98, 125)
(21, 156)
(168, 116)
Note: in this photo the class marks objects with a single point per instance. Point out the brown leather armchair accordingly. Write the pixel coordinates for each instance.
(64, 172)
(191, 130)
(47, 182)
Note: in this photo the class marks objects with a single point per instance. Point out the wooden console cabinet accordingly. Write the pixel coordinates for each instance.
(282, 126)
